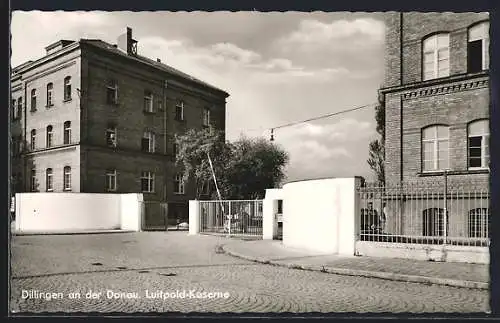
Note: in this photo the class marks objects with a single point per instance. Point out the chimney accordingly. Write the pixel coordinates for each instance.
(158, 60)
(127, 43)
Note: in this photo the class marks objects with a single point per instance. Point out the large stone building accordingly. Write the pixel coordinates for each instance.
(437, 104)
(94, 117)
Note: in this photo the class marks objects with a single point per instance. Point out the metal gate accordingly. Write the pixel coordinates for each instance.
(234, 217)
(154, 216)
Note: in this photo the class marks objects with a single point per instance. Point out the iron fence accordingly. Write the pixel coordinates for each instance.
(154, 215)
(425, 213)
(231, 217)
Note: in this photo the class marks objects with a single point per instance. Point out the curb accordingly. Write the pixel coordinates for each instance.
(364, 273)
(68, 233)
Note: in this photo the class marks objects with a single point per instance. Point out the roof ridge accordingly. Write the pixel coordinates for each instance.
(113, 48)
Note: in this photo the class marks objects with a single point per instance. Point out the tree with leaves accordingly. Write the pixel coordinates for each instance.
(193, 149)
(256, 165)
(376, 158)
(244, 169)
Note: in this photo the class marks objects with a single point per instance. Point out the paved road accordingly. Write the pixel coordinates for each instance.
(173, 262)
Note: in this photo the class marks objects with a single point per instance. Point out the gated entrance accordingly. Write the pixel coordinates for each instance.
(234, 217)
(154, 216)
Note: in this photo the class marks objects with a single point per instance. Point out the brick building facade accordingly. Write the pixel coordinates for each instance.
(436, 74)
(436, 96)
(96, 117)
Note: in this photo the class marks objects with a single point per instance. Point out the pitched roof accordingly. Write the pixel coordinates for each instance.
(164, 67)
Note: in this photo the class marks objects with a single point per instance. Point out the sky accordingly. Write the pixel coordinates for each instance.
(278, 68)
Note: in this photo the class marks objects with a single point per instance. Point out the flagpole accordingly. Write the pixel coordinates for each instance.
(217, 188)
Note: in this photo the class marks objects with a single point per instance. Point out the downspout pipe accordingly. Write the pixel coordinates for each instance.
(401, 101)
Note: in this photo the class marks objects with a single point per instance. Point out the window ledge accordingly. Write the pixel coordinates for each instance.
(148, 192)
(33, 110)
(454, 172)
(177, 193)
(68, 100)
(49, 105)
(149, 112)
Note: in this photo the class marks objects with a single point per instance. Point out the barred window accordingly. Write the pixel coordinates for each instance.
(479, 222)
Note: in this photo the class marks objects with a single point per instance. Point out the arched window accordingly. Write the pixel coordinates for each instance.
(33, 182)
(179, 183)
(436, 56)
(19, 107)
(67, 178)
(435, 148)
(478, 57)
(50, 137)
(148, 142)
(148, 101)
(33, 139)
(33, 100)
(67, 132)
(49, 180)
(50, 92)
(206, 117)
(478, 144)
(67, 88)
(479, 221)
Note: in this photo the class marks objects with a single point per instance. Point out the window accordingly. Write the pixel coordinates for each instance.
(478, 57)
(433, 222)
(479, 221)
(49, 182)
(67, 132)
(14, 148)
(205, 189)
(179, 184)
(20, 145)
(14, 111)
(148, 101)
(435, 148)
(50, 136)
(33, 139)
(179, 111)
(33, 183)
(175, 150)
(148, 142)
(478, 132)
(67, 178)
(111, 180)
(67, 88)
(19, 107)
(148, 182)
(206, 117)
(112, 92)
(33, 100)
(50, 92)
(111, 137)
(436, 56)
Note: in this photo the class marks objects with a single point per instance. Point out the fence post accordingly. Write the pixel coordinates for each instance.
(194, 217)
(229, 217)
(445, 216)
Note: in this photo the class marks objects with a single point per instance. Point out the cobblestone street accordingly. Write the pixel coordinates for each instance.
(157, 261)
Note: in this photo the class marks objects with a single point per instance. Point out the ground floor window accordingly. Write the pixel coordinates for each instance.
(433, 222)
(111, 180)
(147, 182)
(479, 219)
